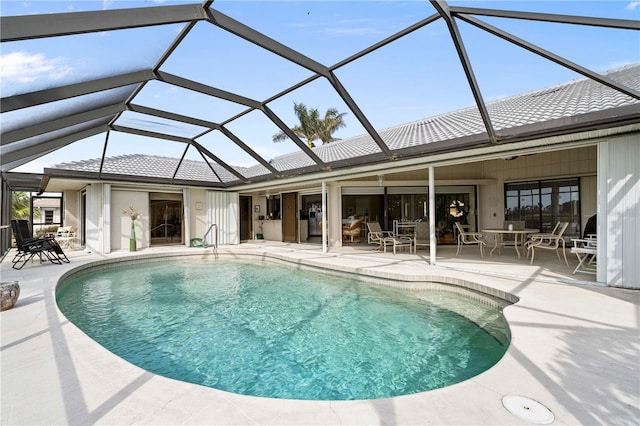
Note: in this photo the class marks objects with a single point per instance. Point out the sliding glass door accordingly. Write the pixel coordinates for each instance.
(541, 204)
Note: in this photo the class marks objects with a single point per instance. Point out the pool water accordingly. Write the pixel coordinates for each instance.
(270, 330)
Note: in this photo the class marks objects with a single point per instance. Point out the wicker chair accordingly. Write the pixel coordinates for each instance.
(351, 231)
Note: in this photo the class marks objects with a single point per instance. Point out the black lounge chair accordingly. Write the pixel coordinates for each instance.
(47, 249)
(52, 244)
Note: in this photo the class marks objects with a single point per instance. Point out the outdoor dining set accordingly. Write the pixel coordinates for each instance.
(412, 235)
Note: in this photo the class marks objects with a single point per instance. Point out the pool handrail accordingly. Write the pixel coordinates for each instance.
(204, 239)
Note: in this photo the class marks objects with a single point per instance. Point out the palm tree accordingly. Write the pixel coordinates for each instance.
(333, 120)
(21, 205)
(312, 127)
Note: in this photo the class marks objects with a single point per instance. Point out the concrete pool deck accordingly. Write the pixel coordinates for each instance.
(575, 349)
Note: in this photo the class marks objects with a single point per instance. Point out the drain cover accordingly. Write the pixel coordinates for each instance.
(528, 409)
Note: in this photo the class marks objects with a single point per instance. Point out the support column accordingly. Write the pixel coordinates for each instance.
(324, 217)
(432, 217)
(186, 216)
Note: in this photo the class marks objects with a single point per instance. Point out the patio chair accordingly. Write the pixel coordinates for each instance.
(52, 245)
(66, 236)
(421, 236)
(554, 241)
(586, 250)
(377, 236)
(591, 228)
(399, 242)
(352, 230)
(28, 247)
(466, 238)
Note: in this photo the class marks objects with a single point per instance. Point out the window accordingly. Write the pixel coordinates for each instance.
(273, 207)
(541, 204)
(48, 216)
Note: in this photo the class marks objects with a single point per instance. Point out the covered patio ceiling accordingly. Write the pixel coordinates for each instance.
(205, 119)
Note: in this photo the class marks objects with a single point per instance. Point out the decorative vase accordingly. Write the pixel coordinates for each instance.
(9, 293)
(132, 238)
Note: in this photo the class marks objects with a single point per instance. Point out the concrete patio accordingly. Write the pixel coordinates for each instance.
(574, 349)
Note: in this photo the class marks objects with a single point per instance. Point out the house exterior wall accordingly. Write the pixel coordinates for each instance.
(121, 223)
(577, 162)
(198, 215)
(609, 183)
(259, 200)
(109, 229)
(71, 202)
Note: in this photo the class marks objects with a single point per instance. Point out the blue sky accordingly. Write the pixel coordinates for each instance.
(416, 77)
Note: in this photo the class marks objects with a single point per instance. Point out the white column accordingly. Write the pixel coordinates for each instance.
(186, 217)
(601, 210)
(324, 217)
(432, 217)
(106, 218)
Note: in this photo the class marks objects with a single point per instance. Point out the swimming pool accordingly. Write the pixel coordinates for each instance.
(264, 329)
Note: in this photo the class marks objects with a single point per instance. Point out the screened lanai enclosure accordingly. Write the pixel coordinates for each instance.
(192, 94)
(212, 82)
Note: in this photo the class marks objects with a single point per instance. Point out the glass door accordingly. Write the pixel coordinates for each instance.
(166, 218)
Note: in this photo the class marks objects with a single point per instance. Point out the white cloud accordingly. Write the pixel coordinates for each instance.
(23, 67)
(633, 5)
(351, 31)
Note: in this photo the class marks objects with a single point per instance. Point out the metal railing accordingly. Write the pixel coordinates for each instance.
(215, 235)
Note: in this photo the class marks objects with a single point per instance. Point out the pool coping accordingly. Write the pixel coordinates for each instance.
(572, 349)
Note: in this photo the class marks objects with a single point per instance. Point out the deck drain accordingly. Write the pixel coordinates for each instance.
(528, 409)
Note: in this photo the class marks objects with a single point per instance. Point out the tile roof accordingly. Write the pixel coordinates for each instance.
(544, 105)
(563, 100)
(152, 166)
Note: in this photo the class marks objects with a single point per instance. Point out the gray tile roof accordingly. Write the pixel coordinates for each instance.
(152, 166)
(564, 100)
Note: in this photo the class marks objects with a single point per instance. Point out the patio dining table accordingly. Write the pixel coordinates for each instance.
(519, 236)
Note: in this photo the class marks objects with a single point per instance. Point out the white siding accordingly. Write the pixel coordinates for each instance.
(619, 212)
(223, 210)
(96, 222)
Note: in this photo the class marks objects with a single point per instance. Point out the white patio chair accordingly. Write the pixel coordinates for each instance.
(377, 236)
(399, 242)
(586, 249)
(386, 238)
(63, 236)
(554, 241)
(465, 238)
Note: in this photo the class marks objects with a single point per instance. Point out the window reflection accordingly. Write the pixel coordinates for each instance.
(541, 204)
